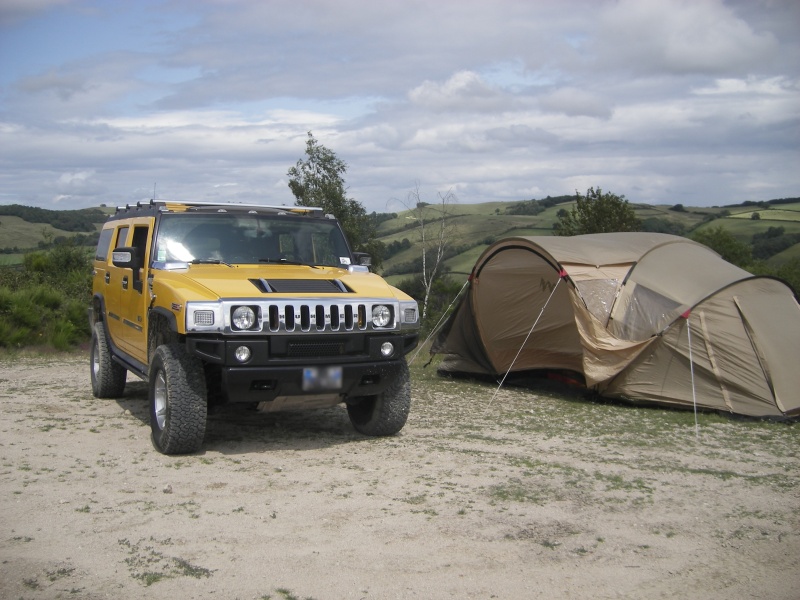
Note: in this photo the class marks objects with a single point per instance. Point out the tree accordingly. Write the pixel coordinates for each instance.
(726, 245)
(319, 181)
(597, 212)
(436, 230)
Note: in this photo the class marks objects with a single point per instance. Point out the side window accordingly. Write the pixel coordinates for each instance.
(122, 235)
(103, 244)
(140, 243)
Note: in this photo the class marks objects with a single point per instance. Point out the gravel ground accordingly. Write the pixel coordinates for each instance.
(537, 493)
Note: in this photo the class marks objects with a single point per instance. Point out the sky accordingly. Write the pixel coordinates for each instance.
(663, 101)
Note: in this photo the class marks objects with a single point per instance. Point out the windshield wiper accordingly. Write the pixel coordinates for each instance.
(210, 261)
(284, 261)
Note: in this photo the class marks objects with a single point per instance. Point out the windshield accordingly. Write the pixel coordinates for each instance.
(250, 238)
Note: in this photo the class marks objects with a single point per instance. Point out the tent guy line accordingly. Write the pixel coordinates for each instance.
(562, 275)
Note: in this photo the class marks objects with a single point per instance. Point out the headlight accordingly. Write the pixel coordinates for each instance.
(243, 317)
(381, 315)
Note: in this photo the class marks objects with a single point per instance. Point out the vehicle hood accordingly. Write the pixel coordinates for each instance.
(212, 282)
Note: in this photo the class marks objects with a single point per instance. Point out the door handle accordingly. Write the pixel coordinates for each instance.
(108, 277)
(125, 282)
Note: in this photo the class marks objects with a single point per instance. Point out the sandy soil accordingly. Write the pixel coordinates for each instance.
(532, 496)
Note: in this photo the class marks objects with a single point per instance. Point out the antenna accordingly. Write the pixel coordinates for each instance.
(154, 192)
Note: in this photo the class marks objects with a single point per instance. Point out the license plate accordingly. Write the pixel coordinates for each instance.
(322, 379)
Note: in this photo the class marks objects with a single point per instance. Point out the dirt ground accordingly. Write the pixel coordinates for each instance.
(531, 494)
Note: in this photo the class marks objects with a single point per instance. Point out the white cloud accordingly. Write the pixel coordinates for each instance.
(464, 91)
(773, 86)
(576, 102)
(680, 36)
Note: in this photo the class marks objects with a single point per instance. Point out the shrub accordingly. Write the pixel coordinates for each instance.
(45, 297)
(25, 314)
(45, 303)
(63, 334)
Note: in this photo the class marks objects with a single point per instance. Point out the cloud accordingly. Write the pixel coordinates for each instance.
(772, 86)
(13, 11)
(464, 91)
(71, 186)
(64, 86)
(680, 37)
(575, 102)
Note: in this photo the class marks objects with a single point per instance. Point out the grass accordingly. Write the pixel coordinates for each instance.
(580, 429)
(149, 565)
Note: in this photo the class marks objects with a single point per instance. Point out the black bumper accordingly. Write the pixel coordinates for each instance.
(276, 366)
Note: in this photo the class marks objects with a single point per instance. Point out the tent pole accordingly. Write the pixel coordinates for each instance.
(561, 276)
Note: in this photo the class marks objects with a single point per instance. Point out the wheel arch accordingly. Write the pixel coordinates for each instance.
(162, 328)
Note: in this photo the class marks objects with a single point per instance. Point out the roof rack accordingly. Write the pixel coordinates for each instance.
(173, 205)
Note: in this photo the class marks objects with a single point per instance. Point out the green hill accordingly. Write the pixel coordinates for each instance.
(25, 227)
(476, 226)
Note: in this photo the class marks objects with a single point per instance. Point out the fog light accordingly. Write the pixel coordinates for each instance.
(242, 354)
(387, 348)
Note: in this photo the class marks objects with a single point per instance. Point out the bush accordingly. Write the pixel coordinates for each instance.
(44, 304)
(46, 298)
(63, 335)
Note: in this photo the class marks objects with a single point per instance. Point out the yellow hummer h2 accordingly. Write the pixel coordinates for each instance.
(218, 303)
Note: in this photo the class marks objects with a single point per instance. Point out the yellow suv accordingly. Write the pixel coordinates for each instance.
(219, 303)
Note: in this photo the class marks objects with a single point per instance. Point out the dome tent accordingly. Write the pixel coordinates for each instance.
(621, 309)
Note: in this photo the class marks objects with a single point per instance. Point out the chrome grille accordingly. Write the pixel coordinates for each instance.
(317, 317)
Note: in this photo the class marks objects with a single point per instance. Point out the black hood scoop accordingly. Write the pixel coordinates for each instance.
(300, 286)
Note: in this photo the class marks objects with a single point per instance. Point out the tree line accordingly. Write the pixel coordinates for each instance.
(81, 220)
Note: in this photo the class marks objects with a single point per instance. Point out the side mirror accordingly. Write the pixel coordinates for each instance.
(362, 258)
(124, 257)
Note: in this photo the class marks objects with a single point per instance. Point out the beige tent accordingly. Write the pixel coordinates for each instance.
(621, 309)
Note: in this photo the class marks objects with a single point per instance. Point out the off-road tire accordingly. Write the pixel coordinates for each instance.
(108, 377)
(177, 393)
(385, 413)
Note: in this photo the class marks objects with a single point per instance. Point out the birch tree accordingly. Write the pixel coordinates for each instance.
(437, 230)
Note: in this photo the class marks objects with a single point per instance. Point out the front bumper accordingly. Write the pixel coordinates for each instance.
(276, 366)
